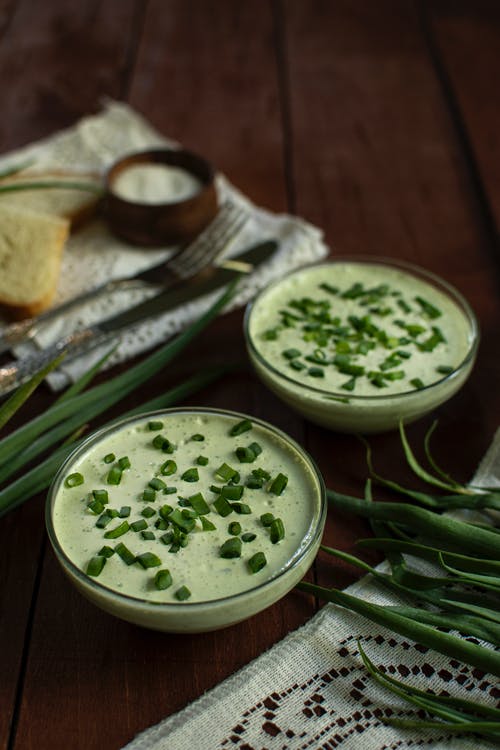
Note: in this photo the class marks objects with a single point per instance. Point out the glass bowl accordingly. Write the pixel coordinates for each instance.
(208, 590)
(339, 319)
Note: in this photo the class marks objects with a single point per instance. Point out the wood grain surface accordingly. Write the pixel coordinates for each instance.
(378, 122)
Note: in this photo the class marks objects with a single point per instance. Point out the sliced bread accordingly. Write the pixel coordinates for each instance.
(31, 247)
(68, 203)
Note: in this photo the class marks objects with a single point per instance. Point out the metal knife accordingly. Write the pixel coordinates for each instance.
(17, 372)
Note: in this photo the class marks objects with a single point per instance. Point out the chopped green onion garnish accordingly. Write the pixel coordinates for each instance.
(148, 560)
(207, 525)
(417, 383)
(106, 551)
(74, 480)
(278, 484)
(168, 468)
(444, 369)
(161, 442)
(139, 525)
(222, 506)
(109, 458)
(95, 506)
(117, 531)
(316, 372)
(257, 562)
(124, 511)
(190, 475)
(427, 308)
(148, 512)
(241, 508)
(95, 565)
(232, 491)
(114, 475)
(276, 531)
(199, 504)
(185, 524)
(163, 579)
(231, 548)
(148, 535)
(101, 496)
(202, 460)
(165, 511)
(149, 495)
(157, 484)
(266, 519)
(124, 463)
(182, 593)
(154, 425)
(291, 353)
(170, 490)
(234, 528)
(248, 536)
(225, 472)
(198, 437)
(103, 520)
(240, 427)
(126, 555)
(249, 454)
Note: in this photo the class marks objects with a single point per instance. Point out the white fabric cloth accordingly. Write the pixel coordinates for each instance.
(311, 690)
(93, 254)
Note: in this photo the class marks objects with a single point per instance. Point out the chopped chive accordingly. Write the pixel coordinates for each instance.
(190, 475)
(106, 551)
(291, 353)
(249, 454)
(241, 508)
(207, 525)
(222, 506)
(109, 458)
(124, 511)
(444, 369)
(114, 475)
(165, 511)
(101, 496)
(278, 484)
(225, 472)
(139, 525)
(163, 579)
(197, 437)
(240, 428)
(148, 535)
(148, 512)
(119, 530)
(199, 504)
(167, 538)
(157, 484)
(248, 536)
(124, 463)
(316, 372)
(148, 560)
(189, 513)
(417, 383)
(168, 468)
(103, 520)
(257, 562)
(149, 495)
(215, 489)
(349, 385)
(170, 490)
(234, 528)
(95, 506)
(74, 480)
(202, 460)
(154, 425)
(163, 444)
(161, 524)
(266, 519)
(231, 548)
(95, 565)
(183, 523)
(232, 491)
(126, 555)
(182, 593)
(296, 364)
(430, 310)
(277, 531)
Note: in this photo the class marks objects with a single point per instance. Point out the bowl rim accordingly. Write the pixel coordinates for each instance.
(349, 398)
(313, 535)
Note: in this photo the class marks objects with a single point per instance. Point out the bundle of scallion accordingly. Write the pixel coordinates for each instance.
(454, 611)
(59, 428)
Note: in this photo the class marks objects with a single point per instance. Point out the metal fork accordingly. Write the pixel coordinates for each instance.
(203, 251)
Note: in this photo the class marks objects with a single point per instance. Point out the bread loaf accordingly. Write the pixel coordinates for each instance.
(31, 247)
(68, 203)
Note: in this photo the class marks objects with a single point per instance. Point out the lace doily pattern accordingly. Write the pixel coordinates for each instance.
(94, 255)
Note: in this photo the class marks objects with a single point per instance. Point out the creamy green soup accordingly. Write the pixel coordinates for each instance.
(187, 506)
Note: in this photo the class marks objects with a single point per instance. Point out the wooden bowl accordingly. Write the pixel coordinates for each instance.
(170, 219)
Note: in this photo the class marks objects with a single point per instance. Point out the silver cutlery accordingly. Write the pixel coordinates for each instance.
(15, 373)
(186, 263)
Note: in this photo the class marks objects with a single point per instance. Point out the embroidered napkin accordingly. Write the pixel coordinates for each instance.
(93, 255)
(311, 690)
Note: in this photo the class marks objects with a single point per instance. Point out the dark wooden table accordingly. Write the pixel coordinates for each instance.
(377, 121)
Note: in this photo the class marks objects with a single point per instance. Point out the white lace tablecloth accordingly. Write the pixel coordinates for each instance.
(94, 255)
(312, 692)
